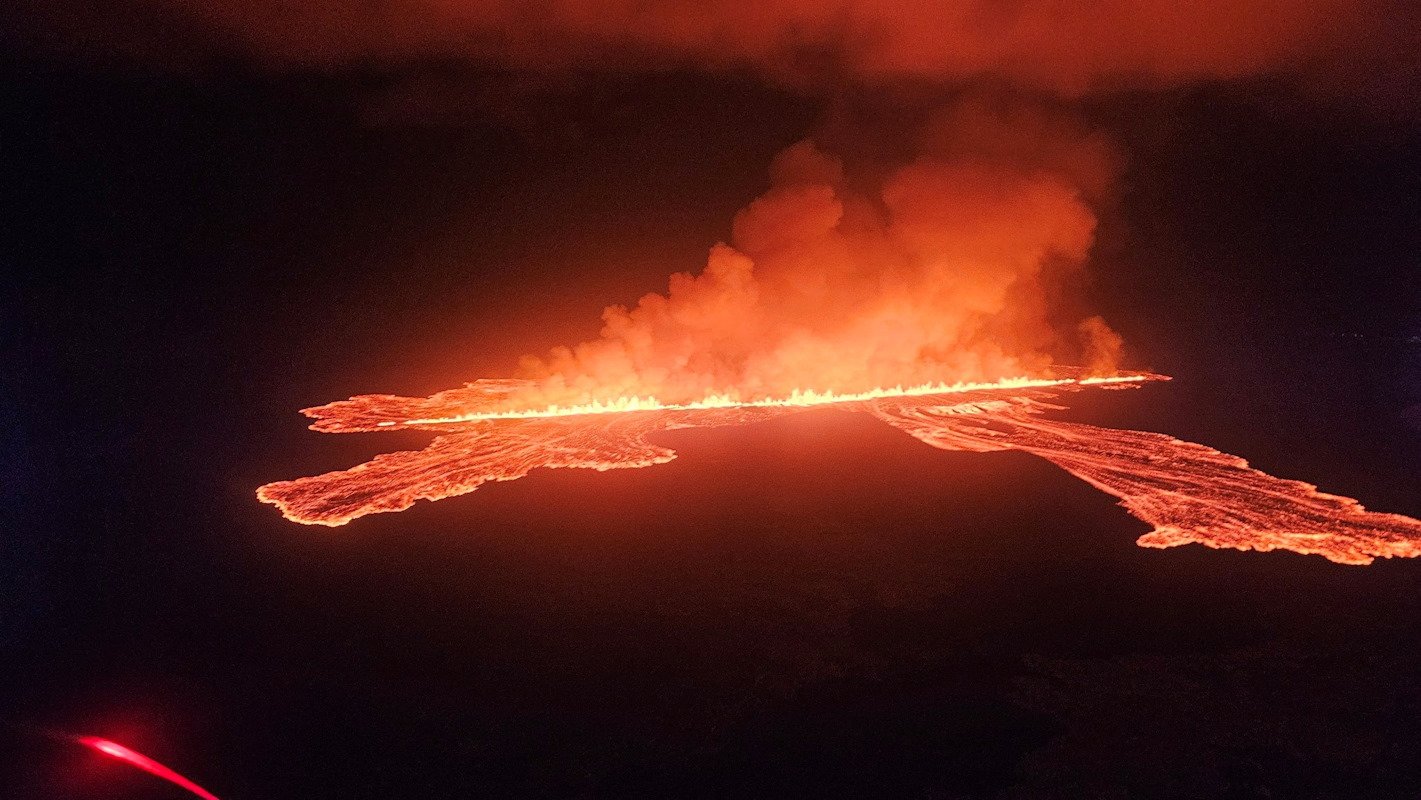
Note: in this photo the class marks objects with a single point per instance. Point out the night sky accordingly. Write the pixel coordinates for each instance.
(197, 248)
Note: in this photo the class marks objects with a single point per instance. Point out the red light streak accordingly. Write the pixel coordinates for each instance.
(148, 765)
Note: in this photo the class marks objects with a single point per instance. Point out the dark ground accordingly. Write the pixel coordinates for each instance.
(818, 606)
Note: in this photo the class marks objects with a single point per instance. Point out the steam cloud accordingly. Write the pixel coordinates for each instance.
(950, 266)
(1065, 46)
(940, 271)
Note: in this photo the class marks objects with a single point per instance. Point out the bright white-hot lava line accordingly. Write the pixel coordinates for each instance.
(799, 398)
(1187, 492)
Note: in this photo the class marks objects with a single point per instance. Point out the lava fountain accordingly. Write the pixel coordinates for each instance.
(1187, 492)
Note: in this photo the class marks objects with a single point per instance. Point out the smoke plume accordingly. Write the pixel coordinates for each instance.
(939, 271)
(950, 264)
(1064, 47)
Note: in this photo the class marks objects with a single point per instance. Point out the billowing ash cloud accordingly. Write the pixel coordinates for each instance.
(948, 265)
(942, 270)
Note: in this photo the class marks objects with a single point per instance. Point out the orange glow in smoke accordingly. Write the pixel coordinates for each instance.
(1187, 492)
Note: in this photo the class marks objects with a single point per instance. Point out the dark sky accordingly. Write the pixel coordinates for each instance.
(807, 607)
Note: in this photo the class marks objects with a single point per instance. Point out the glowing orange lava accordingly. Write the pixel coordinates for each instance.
(1186, 491)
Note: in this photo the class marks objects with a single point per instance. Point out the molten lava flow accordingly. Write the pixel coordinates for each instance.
(799, 398)
(1188, 492)
(118, 751)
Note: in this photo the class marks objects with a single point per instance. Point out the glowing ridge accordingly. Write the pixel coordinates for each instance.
(799, 398)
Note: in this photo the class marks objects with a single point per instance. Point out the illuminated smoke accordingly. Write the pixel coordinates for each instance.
(948, 266)
(944, 270)
(1187, 492)
(1063, 47)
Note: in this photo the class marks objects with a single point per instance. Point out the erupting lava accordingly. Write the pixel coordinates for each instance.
(1186, 491)
(955, 263)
